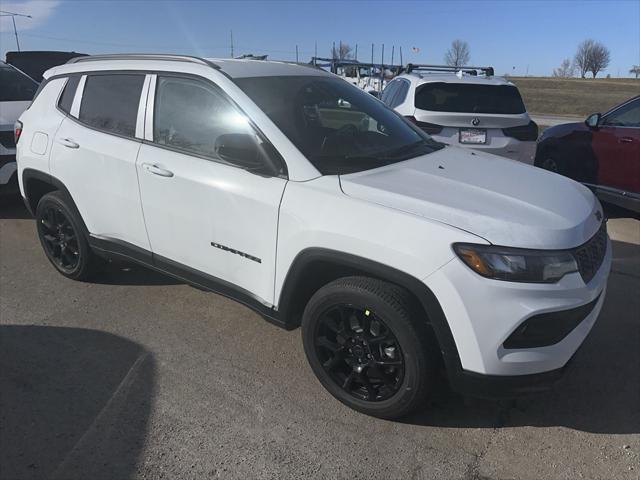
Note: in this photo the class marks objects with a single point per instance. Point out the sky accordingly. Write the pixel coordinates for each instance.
(515, 36)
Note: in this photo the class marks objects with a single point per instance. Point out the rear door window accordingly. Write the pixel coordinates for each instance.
(15, 86)
(469, 98)
(110, 102)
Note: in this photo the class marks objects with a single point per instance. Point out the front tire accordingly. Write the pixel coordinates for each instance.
(62, 238)
(367, 347)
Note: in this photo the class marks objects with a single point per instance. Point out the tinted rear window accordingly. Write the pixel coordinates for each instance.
(15, 86)
(465, 98)
(110, 102)
(66, 99)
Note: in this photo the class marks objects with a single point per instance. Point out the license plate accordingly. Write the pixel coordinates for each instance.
(473, 135)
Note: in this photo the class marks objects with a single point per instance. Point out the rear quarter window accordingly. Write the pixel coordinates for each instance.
(469, 98)
(69, 92)
(110, 102)
(15, 86)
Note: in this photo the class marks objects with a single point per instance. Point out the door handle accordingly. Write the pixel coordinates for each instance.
(156, 170)
(626, 140)
(67, 142)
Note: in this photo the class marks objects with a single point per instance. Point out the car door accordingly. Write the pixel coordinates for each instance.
(616, 144)
(208, 215)
(94, 154)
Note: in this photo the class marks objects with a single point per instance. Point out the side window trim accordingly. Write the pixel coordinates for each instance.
(142, 108)
(148, 118)
(77, 99)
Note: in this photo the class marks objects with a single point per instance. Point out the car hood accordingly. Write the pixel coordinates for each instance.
(10, 112)
(503, 201)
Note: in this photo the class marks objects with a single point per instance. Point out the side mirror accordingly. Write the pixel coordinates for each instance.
(593, 120)
(375, 93)
(239, 149)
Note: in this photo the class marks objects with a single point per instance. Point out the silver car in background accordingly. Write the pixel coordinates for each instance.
(16, 92)
(466, 106)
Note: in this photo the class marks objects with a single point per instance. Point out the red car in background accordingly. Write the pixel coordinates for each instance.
(603, 152)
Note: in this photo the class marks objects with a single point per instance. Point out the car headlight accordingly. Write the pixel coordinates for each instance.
(516, 264)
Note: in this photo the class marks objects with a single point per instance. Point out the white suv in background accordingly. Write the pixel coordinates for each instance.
(468, 107)
(309, 201)
(16, 91)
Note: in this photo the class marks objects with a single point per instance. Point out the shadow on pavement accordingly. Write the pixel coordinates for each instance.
(600, 392)
(74, 403)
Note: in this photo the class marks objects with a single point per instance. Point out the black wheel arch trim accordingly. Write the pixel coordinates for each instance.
(29, 174)
(430, 304)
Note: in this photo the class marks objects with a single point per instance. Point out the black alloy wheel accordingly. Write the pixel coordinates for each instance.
(63, 239)
(60, 239)
(360, 353)
(369, 345)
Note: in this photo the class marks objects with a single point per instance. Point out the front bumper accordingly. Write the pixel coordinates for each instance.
(482, 314)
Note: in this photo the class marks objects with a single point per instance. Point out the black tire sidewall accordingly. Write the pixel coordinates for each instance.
(417, 367)
(57, 200)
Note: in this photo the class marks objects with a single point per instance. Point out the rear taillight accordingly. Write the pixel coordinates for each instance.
(17, 130)
(525, 133)
(430, 128)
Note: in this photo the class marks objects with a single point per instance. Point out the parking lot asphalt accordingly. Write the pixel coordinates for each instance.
(136, 375)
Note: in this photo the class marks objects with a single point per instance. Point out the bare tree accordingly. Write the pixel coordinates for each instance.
(458, 54)
(599, 58)
(566, 69)
(581, 59)
(342, 52)
(635, 70)
(592, 57)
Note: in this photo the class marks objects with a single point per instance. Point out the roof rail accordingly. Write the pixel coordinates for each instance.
(145, 56)
(488, 71)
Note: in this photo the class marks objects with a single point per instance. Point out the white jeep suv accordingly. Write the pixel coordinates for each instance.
(467, 107)
(311, 202)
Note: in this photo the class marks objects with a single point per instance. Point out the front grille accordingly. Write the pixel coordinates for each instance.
(7, 139)
(590, 255)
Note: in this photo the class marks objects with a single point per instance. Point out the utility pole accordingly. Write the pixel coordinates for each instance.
(393, 48)
(356, 52)
(372, 54)
(401, 55)
(315, 55)
(231, 43)
(297, 54)
(13, 16)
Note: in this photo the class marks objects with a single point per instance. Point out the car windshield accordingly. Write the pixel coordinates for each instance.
(338, 127)
(469, 98)
(15, 86)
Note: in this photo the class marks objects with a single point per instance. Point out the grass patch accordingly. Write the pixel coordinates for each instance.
(574, 96)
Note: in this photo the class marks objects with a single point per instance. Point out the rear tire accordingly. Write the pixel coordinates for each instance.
(368, 348)
(63, 240)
